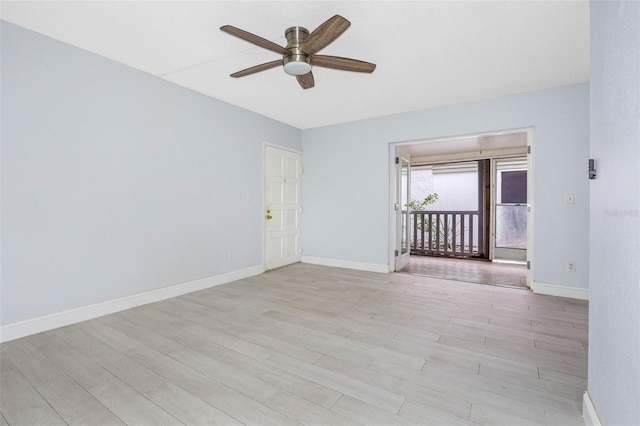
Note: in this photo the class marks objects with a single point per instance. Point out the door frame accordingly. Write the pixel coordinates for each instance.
(493, 207)
(401, 258)
(263, 210)
(530, 190)
(395, 150)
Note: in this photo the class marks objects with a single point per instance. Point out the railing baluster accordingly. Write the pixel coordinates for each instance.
(462, 232)
(422, 231)
(449, 233)
(446, 232)
(415, 230)
(429, 232)
(428, 237)
(471, 234)
(437, 232)
(453, 233)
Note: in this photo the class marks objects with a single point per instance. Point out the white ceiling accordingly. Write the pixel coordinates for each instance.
(428, 53)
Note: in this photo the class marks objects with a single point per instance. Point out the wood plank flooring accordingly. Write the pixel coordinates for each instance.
(312, 345)
(468, 270)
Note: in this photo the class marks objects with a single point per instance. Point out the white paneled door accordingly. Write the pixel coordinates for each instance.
(283, 171)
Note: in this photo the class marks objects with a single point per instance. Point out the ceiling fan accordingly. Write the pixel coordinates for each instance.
(300, 54)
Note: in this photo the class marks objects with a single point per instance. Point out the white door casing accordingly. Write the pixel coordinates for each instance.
(283, 170)
(508, 251)
(403, 211)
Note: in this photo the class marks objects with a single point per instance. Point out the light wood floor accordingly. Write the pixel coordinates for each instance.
(313, 345)
(468, 270)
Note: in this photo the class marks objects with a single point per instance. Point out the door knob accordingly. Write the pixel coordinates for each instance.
(269, 217)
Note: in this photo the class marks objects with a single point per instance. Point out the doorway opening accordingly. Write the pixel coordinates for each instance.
(463, 208)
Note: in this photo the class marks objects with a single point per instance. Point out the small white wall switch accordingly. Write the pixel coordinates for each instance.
(571, 267)
(570, 198)
(230, 254)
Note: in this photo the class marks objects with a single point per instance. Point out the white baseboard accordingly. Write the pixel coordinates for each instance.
(589, 412)
(28, 327)
(560, 290)
(348, 264)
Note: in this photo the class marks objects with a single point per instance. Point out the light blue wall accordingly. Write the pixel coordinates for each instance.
(115, 182)
(346, 180)
(614, 309)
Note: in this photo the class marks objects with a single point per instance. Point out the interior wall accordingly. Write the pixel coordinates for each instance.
(115, 182)
(347, 177)
(614, 313)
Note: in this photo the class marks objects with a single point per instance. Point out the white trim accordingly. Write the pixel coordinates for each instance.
(560, 290)
(282, 147)
(28, 327)
(531, 221)
(502, 253)
(348, 264)
(402, 259)
(391, 243)
(465, 136)
(471, 156)
(589, 413)
(493, 193)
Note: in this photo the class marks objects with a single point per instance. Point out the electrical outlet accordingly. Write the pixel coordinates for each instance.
(571, 267)
(230, 254)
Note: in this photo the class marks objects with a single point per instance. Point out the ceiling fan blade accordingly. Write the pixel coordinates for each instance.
(322, 36)
(252, 38)
(257, 68)
(346, 64)
(306, 80)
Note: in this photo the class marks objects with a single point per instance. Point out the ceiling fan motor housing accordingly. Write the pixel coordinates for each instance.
(296, 62)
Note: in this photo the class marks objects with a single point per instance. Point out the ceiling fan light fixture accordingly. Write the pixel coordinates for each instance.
(297, 67)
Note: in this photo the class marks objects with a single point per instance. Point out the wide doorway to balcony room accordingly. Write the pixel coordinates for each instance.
(462, 207)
